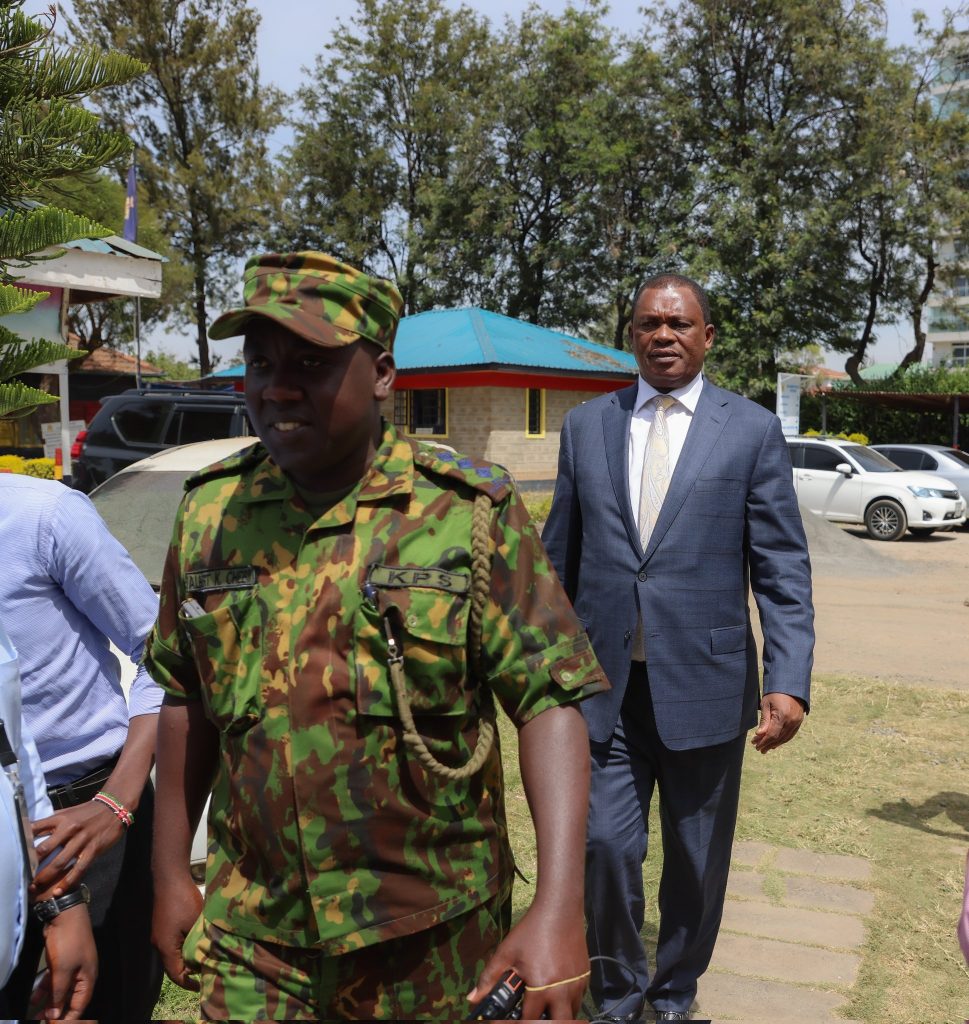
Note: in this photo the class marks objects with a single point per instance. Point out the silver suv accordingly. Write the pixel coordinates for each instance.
(850, 483)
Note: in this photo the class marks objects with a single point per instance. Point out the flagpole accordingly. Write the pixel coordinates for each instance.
(138, 341)
(131, 235)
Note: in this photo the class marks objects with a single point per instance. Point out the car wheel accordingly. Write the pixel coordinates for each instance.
(885, 520)
(923, 533)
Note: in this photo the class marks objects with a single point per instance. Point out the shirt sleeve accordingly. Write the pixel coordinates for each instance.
(534, 649)
(167, 657)
(99, 578)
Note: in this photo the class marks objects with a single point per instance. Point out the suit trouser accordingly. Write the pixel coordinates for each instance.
(698, 790)
(129, 970)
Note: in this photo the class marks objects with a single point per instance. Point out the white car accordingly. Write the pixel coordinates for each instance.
(949, 463)
(138, 503)
(850, 483)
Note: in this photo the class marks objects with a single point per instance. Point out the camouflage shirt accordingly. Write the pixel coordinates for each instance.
(323, 829)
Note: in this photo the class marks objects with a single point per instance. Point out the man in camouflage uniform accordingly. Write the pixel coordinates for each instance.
(346, 877)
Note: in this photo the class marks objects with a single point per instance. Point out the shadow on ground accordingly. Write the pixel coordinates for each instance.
(954, 806)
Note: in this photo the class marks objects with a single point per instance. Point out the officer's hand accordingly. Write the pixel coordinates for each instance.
(177, 908)
(780, 718)
(82, 833)
(545, 950)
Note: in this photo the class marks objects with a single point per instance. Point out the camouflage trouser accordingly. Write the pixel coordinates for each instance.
(424, 976)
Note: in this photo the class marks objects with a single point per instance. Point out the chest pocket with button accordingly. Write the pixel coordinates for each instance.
(225, 647)
(431, 628)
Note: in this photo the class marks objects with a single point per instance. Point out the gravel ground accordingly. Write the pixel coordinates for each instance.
(891, 610)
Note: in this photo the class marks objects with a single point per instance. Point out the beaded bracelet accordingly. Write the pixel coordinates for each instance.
(120, 811)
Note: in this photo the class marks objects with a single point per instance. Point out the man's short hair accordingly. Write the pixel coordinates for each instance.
(667, 280)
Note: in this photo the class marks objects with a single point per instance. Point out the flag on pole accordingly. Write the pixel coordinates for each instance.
(130, 232)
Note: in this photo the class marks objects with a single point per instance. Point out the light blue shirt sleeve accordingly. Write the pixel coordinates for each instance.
(99, 578)
(13, 890)
(68, 591)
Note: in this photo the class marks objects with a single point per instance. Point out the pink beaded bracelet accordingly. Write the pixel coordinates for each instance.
(121, 812)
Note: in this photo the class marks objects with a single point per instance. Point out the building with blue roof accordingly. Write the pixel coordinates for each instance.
(493, 386)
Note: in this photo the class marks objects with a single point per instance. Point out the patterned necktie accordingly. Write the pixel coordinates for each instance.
(656, 468)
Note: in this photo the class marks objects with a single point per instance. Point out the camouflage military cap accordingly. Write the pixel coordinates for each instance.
(317, 298)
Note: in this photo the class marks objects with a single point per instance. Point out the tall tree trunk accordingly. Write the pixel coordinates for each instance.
(914, 354)
(198, 285)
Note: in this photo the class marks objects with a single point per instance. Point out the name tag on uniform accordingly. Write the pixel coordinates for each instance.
(401, 576)
(240, 577)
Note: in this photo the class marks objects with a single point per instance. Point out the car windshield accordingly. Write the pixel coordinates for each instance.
(869, 460)
(139, 508)
(957, 455)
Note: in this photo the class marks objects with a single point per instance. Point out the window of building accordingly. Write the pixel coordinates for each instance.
(535, 412)
(960, 286)
(960, 355)
(426, 411)
(400, 409)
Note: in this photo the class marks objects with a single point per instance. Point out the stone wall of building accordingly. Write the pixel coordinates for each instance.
(491, 423)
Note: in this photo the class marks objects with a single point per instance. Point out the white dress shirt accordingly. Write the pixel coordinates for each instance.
(678, 419)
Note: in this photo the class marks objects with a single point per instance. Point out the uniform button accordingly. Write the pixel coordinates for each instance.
(627, 635)
(642, 577)
(567, 677)
(411, 620)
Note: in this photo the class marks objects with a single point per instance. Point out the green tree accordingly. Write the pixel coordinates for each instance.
(375, 137)
(202, 122)
(519, 222)
(774, 89)
(45, 136)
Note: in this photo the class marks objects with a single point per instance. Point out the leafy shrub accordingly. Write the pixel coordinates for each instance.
(43, 468)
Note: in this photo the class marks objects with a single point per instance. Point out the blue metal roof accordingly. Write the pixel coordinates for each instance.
(474, 339)
(464, 338)
(112, 245)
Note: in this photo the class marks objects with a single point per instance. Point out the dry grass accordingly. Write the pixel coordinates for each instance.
(880, 772)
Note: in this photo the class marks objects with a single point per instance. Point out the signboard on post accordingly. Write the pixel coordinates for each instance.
(789, 402)
(53, 436)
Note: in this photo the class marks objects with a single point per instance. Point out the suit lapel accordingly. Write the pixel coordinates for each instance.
(705, 429)
(615, 432)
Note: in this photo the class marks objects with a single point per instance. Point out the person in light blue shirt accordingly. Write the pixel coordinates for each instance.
(69, 943)
(68, 589)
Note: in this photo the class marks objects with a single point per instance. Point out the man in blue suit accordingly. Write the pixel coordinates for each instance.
(673, 498)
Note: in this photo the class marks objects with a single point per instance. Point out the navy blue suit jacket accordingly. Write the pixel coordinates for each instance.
(729, 524)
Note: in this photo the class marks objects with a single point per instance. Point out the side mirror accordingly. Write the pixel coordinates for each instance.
(843, 468)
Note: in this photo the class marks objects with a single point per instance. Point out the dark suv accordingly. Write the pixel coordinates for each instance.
(138, 423)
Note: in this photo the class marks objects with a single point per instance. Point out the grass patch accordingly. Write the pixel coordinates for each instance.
(877, 771)
(538, 504)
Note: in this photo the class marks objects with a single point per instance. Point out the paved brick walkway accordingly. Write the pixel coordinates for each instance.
(790, 944)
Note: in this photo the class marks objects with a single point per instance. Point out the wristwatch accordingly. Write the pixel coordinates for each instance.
(47, 910)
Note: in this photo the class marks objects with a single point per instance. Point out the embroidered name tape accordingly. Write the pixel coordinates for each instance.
(395, 576)
(237, 578)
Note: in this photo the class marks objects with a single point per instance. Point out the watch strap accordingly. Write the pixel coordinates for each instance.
(47, 910)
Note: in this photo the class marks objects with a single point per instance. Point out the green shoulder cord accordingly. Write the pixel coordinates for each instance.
(480, 585)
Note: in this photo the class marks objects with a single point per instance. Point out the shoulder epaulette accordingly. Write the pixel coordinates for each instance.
(489, 477)
(235, 464)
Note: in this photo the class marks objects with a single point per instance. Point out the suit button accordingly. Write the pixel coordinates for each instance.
(642, 577)
(627, 635)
